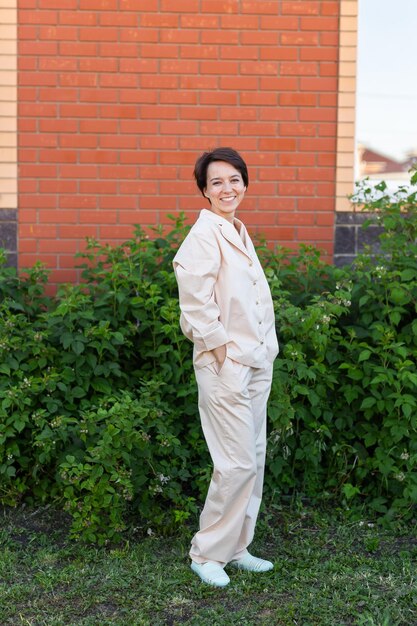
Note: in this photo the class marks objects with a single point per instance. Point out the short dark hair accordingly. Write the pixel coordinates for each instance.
(229, 155)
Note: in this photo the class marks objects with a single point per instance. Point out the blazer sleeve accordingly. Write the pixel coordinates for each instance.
(196, 267)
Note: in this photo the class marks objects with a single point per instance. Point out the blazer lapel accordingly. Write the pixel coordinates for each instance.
(230, 233)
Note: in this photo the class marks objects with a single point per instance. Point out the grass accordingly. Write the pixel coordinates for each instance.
(328, 572)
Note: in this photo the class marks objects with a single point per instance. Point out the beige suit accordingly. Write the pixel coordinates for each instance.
(225, 299)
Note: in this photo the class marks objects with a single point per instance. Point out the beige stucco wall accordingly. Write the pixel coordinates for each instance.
(346, 104)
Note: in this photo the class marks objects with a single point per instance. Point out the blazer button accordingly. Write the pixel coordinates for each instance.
(250, 263)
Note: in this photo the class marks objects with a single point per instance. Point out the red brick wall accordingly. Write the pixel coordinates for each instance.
(118, 97)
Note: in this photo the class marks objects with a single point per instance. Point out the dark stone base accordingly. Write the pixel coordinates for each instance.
(351, 238)
(8, 235)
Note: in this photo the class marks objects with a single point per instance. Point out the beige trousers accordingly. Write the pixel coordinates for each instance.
(232, 405)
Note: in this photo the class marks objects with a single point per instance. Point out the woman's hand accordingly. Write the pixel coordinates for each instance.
(220, 354)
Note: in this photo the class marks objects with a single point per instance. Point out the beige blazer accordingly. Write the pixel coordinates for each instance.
(224, 295)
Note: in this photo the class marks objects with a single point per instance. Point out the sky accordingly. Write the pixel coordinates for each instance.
(387, 76)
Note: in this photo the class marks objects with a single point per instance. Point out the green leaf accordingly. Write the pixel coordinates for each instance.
(367, 403)
(364, 355)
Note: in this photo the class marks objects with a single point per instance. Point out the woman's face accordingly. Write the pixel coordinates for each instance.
(225, 189)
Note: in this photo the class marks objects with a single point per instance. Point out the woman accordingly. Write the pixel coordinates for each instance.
(227, 312)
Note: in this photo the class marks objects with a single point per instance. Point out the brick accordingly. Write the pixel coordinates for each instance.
(220, 6)
(142, 217)
(260, 129)
(38, 17)
(182, 6)
(78, 49)
(98, 34)
(256, 38)
(320, 114)
(120, 111)
(270, 114)
(98, 187)
(118, 19)
(58, 126)
(290, 129)
(238, 113)
(272, 83)
(138, 96)
(330, 8)
(28, 260)
(37, 171)
(318, 84)
(181, 66)
(78, 110)
(237, 83)
(38, 79)
(161, 20)
(78, 18)
(159, 51)
(117, 49)
(212, 36)
(38, 231)
(198, 113)
(298, 99)
(23, 32)
(57, 186)
(296, 159)
(78, 171)
(58, 246)
(58, 33)
(219, 128)
(98, 217)
(57, 156)
(38, 48)
(328, 69)
(279, 23)
(200, 21)
(199, 52)
(259, 68)
(295, 219)
(118, 172)
(198, 82)
(98, 95)
(260, 7)
(116, 141)
(118, 80)
(177, 158)
(299, 39)
(77, 80)
(159, 112)
(317, 144)
(116, 232)
(159, 82)
(37, 110)
(316, 173)
(139, 66)
(299, 69)
(277, 144)
(98, 156)
(98, 65)
(75, 231)
(138, 187)
(279, 54)
(137, 156)
(138, 5)
(98, 126)
(116, 201)
(98, 5)
(299, 7)
(58, 216)
(180, 36)
(253, 98)
(277, 173)
(138, 127)
(158, 143)
(218, 97)
(319, 24)
(174, 128)
(319, 54)
(296, 189)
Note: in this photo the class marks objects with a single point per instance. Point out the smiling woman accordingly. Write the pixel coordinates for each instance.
(227, 312)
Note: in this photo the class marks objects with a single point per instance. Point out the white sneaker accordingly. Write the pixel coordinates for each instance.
(251, 563)
(211, 573)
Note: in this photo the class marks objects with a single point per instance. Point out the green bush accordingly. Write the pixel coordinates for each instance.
(98, 406)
